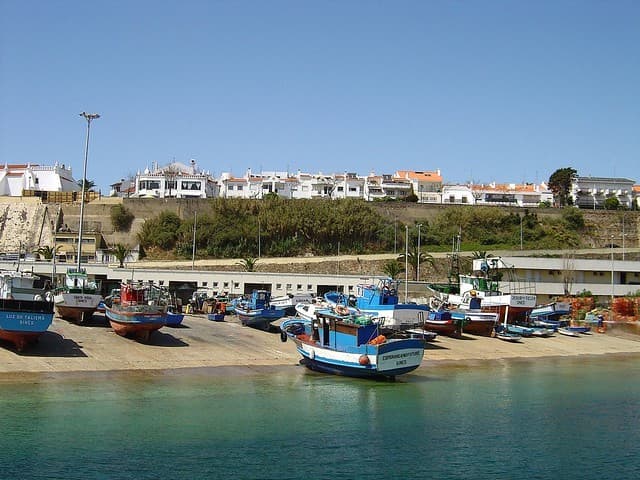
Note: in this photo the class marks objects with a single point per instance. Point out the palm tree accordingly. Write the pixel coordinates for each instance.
(47, 252)
(392, 268)
(248, 263)
(88, 184)
(121, 252)
(415, 258)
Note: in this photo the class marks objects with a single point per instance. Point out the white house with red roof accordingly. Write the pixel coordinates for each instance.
(15, 178)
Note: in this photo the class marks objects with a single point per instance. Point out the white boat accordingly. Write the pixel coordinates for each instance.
(308, 309)
(569, 333)
(289, 301)
(351, 345)
(508, 337)
(79, 298)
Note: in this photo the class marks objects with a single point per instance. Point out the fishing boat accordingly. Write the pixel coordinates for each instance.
(475, 321)
(567, 332)
(550, 311)
(578, 328)
(174, 319)
(440, 322)
(351, 345)
(508, 337)
(519, 330)
(256, 311)
(26, 312)
(494, 284)
(137, 311)
(379, 298)
(289, 301)
(78, 299)
(308, 309)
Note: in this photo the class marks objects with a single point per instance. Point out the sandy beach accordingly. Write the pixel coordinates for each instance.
(199, 343)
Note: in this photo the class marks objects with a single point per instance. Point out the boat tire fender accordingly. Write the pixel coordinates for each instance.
(283, 336)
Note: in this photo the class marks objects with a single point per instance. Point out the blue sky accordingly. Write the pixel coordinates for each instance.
(504, 91)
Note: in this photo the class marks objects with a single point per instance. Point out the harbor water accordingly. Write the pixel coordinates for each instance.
(544, 419)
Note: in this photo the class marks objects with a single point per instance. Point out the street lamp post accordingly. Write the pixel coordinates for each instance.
(89, 117)
(395, 235)
(612, 270)
(521, 217)
(623, 235)
(406, 262)
(193, 243)
(259, 238)
(418, 255)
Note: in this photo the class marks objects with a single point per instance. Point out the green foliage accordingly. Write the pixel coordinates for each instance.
(560, 184)
(612, 203)
(248, 264)
(274, 226)
(46, 252)
(88, 184)
(412, 198)
(228, 228)
(414, 258)
(573, 218)
(121, 252)
(392, 268)
(121, 218)
(161, 231)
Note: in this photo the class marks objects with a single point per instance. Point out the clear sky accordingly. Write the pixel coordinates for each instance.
(485, 90)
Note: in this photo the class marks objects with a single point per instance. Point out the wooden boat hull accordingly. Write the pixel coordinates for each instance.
(441, 327)
(135, 323)
(76, 307)
(482, 328)
(23, 321)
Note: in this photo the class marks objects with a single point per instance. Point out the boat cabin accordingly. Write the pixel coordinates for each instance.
(385, 292)
(330, 329)
(260, 299)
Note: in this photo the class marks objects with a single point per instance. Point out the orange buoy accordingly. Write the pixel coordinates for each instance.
(364, 360)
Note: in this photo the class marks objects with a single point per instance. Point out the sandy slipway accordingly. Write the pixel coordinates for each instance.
(198, 343)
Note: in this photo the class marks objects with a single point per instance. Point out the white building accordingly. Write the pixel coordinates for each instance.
(516, 195)
(457, 195)
(175, 180)
(14, 179)
(592, 192)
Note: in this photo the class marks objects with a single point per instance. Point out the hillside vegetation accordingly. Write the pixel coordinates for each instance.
(237, 228)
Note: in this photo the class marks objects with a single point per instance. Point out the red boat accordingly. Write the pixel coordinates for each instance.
(138, 311)
(441, 322)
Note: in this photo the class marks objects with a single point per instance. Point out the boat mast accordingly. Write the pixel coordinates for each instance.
(88, 117)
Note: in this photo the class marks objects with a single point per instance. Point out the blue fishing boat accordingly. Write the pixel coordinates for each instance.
(380, 299)
(351, 345)
(137, 311)
(256, 311)
(26, 312)
(519, 330)
(550, 311)
(174, 319)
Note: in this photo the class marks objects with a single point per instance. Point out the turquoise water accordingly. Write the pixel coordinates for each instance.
(552, 419)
